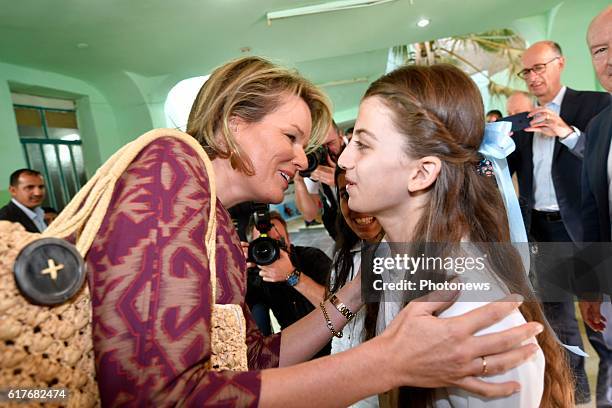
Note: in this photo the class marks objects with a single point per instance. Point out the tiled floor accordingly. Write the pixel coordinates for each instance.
(317, 236)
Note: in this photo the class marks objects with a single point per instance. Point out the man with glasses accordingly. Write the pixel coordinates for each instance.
(548, 163)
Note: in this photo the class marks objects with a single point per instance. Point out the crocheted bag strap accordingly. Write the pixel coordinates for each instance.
(84, 215)
(85, 212)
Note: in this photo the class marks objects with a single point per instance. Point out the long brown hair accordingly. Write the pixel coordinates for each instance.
(439, 110)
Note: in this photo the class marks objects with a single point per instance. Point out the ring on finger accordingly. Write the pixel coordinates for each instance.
(484, 366)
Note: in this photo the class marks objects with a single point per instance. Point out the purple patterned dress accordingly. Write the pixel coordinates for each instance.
(150, 286)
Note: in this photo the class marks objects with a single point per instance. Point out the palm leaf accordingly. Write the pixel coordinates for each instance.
(474, 53)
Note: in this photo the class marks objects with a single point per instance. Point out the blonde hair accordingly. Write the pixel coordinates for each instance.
(250, 88)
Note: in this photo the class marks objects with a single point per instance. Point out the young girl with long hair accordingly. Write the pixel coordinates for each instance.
(412, 164)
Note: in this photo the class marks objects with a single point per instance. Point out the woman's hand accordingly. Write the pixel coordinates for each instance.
(426, 351)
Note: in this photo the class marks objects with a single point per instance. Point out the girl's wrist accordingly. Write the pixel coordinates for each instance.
(350, 294)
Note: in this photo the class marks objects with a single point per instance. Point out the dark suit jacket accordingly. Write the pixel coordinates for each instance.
(595, 211)
(577, 109)
(11, 212)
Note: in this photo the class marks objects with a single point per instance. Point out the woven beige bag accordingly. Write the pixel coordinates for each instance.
(51, 346)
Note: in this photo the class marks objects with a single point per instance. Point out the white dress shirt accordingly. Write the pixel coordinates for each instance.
(316, 187)
(543, 149)
(529, 374)
(37, 215)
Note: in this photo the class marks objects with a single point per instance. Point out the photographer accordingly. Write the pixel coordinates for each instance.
(293, 283)
(316, 190)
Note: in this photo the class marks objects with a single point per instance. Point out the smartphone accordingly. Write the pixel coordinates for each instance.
(519, 121)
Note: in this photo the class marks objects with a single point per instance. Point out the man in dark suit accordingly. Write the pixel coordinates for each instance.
(596, 176)
(596, 216)
(548, 163)
(27, 188)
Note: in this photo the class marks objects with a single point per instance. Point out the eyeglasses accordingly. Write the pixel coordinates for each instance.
(537, 69)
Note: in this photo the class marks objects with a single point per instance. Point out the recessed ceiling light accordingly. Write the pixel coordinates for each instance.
(82, 45)
(423, 22)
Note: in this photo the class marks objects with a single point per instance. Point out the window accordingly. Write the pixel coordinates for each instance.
(52, 145)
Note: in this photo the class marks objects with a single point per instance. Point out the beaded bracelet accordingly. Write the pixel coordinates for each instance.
(330, 325)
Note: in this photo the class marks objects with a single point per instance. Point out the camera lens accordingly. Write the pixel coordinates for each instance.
(314, 159)
(264, 251)
(313, 162)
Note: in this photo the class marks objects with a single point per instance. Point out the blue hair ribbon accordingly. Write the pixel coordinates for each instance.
(496, 146)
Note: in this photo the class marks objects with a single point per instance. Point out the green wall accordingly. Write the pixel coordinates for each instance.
(11, 154)
(569, 28)
(4, 196)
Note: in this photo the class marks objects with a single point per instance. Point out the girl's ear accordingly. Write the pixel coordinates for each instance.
(423, 174)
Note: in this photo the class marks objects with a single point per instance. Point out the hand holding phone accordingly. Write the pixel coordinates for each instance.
(519, 121)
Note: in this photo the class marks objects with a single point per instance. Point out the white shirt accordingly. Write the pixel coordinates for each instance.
(312, 186)
(37, 215)
(315, 187)
(543, 149)
(529, 374)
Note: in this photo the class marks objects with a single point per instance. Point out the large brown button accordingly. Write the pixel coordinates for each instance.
(49, 271)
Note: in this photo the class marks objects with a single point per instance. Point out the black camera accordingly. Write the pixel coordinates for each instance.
(315, 158)
(263, 250)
